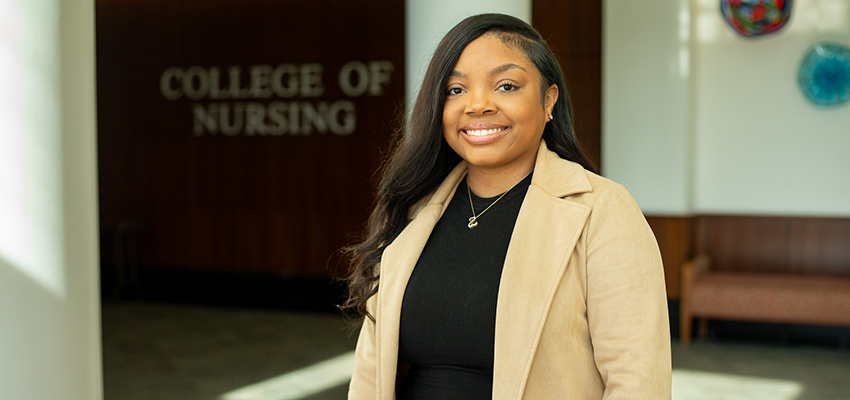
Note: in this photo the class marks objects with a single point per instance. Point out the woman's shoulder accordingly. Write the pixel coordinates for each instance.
(571, 181)
(612, 206)
(599, 191)
(604, 186)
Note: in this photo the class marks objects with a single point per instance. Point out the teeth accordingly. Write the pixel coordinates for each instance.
(482, 132)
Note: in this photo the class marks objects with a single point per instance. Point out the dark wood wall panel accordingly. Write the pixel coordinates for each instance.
(743, 243)
(819, 245)
(675, 242)
(573, 29)
(753, 243)
(783, 244)
(248, 202)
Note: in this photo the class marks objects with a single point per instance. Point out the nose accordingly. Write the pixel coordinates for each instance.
(479, 103)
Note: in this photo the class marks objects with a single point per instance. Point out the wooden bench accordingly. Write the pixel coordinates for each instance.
(760, 296)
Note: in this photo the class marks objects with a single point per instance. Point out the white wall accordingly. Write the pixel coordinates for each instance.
(763, 148)
(427, 21)
(732, 132)
(645, 101)
(49, 303)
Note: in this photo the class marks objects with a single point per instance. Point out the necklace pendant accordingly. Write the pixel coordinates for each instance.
(473, 222)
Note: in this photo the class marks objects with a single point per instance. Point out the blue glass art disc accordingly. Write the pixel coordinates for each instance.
(825, 74)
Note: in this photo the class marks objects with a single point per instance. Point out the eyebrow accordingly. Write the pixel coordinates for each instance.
(505, 67)
(494, 71)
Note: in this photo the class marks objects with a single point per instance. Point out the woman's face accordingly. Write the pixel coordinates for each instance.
(493, 117)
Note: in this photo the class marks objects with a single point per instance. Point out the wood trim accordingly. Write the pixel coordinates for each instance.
(691, 270)
(674, 238)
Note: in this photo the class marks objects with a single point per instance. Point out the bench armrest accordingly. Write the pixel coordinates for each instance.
(697, 267)
(691, 272)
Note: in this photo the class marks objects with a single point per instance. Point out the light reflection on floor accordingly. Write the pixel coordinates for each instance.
(299, 384)
(698, 385)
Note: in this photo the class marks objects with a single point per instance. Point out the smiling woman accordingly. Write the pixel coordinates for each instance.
(556, 292)
(492, 116)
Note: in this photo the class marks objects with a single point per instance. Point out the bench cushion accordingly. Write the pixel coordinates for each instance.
(773, 297)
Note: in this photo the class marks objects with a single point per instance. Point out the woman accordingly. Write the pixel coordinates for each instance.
(497, 264)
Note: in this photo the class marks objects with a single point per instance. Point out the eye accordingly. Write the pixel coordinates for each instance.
(507, 87)
(454, 91)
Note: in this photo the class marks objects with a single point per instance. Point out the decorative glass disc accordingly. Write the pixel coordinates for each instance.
(825, 74)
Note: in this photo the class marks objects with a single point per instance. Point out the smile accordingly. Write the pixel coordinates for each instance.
(483, 132)
(480, 137)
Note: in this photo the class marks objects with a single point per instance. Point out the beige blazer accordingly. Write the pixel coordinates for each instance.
(581, 310)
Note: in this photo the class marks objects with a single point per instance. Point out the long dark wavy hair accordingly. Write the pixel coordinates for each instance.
(421, 159)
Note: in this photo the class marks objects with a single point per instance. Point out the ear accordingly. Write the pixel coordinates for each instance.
(550, 100)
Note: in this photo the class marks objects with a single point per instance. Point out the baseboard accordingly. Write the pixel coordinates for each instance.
(771, 333)
(226, 288)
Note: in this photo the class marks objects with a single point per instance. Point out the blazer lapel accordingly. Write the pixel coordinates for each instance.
(545, 234)
(397, 264)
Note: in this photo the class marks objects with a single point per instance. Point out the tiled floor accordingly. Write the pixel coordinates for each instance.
(168, 352)
(756, 371)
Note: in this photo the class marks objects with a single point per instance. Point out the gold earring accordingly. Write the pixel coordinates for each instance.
(551, 117)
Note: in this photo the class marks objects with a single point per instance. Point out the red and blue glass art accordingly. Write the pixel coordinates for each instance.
(753, 18)
(825, 74)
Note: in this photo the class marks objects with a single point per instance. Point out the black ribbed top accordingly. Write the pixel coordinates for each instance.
(448, 315)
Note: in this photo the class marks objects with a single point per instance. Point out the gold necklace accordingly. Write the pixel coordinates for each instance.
(473, 220)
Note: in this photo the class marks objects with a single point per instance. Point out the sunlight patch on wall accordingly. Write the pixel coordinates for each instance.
(30, 141)
(819, 16)
(684, 39)
(300, 383)
(698, 385)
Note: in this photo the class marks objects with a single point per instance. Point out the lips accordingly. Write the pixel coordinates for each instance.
(481, 133)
